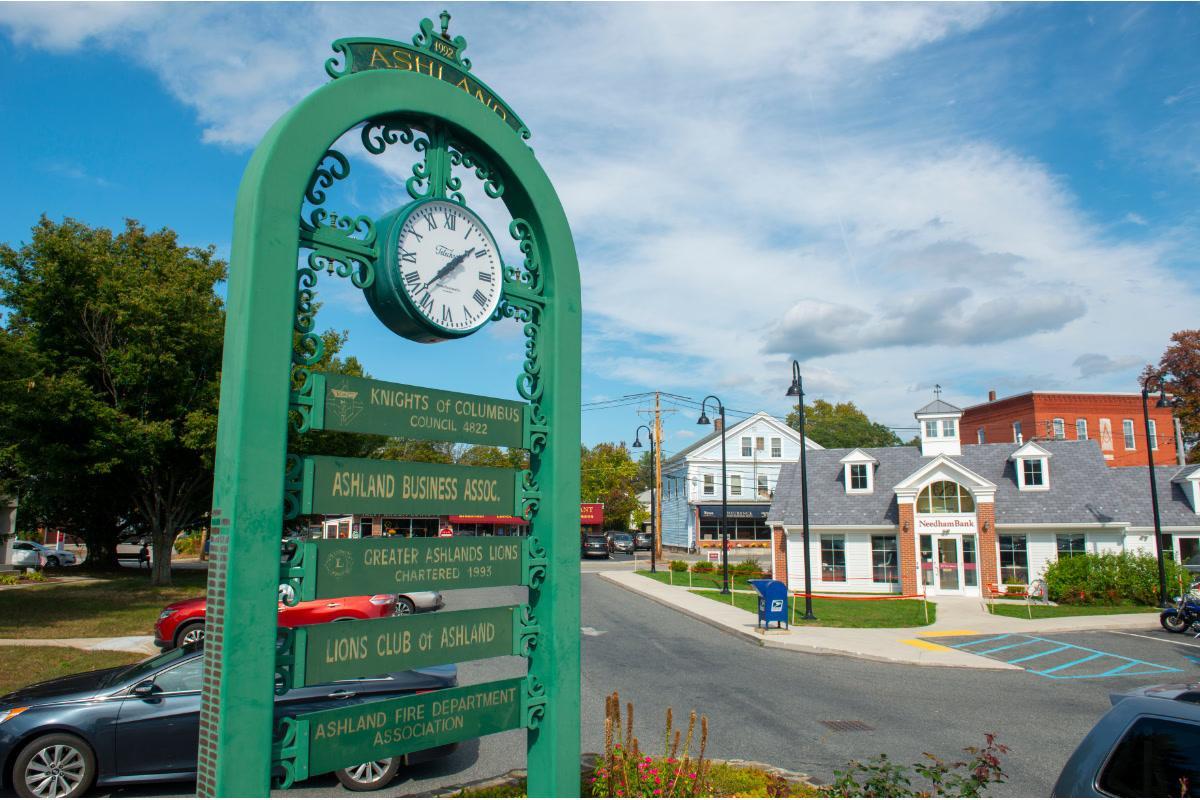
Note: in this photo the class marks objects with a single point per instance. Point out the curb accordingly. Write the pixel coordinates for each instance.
(800, 648)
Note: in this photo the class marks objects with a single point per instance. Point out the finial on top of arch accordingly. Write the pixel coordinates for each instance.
(445, 18)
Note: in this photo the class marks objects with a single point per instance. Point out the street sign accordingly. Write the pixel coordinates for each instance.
(359, 648)
(360, 732)
(714, 556)
(383, 564)
(334, 485)
(363, 405)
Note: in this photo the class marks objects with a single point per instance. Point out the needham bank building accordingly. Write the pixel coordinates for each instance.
(947, 518)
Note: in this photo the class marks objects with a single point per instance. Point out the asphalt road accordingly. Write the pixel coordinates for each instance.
(769, 705)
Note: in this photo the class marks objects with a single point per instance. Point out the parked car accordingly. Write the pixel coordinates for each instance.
(1147, 745)
(643, 540)
(622, 542)
(51, 556)
(183, 622)
(26, 557)
(141, 724)
(595, 545)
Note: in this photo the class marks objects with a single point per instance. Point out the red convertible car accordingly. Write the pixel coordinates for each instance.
(183, 622)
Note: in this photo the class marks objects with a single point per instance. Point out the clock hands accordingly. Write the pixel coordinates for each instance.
(453, 264)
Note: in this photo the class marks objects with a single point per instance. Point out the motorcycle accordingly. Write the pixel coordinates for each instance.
(1183, 615)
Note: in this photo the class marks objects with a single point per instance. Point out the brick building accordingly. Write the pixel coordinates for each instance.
(1113, 420)
(949, 519)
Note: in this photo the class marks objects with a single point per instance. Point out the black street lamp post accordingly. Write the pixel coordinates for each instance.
(653, 496)
(797, 390)
(724, 480)
(1163, 402)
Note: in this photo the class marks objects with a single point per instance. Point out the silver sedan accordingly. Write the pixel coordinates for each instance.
(412, 602)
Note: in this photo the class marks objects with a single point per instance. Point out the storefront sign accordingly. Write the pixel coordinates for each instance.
(735, 512)
(946, 523)
(357, 648)
(363, 405)
(366, 486)
(370, 731)
(591, 513)
(343, 567)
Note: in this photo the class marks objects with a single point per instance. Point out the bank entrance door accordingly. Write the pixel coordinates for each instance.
(948, 566)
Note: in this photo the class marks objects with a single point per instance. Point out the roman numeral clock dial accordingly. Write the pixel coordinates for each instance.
(441, 273)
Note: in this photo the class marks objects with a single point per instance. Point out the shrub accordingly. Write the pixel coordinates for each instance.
(679, 566)
(703, 567)
(188, 544)
(8, 579)
(1110, 578)
(748, 568)
(35, 576)
(882, 777)
(628, 772)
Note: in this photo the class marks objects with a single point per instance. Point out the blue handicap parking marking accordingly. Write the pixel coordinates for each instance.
(1058, 660)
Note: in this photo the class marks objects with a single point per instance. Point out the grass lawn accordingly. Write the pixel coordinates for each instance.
(845, 613)
(26, 665)
(705, 580)
(125, 605)
(1050, 612)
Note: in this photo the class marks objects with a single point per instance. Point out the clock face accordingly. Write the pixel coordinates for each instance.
(449, 267)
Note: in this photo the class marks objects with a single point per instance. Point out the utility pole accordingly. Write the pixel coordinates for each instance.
(657, 509)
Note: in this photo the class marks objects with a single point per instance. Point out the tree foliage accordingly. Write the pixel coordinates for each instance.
(841, 425)
(608, 475)
(1181, 362)
(113, 347)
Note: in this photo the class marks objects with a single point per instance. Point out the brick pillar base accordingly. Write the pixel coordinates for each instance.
(989, 568)
(908, 550)
(779, 555)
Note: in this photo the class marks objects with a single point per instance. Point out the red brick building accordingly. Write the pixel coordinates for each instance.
(1113, 420)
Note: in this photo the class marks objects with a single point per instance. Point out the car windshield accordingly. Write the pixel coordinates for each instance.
(622, 537)
(595, 540)
(149, 665)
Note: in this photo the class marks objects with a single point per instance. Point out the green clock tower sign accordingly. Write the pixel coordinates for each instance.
(431, 271)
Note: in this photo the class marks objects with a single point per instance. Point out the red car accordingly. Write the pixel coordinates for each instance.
(183, 622)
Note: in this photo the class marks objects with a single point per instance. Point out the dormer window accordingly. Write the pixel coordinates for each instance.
(860, 472)
(1032, 465)
(931, 428)
(949, 428)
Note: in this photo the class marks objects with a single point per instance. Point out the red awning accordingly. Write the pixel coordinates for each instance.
(591, 513)
(469, 520)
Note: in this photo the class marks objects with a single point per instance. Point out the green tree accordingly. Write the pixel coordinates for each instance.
(485, 455)
(117, 341)
(1181, 360)
(841, 425)
(645, 473)
(607, 475)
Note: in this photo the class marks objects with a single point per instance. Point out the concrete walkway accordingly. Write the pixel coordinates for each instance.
(956, 616)
(125, 644)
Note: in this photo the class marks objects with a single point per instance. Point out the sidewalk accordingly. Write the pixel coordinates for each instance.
(125, 644)
(956, 616)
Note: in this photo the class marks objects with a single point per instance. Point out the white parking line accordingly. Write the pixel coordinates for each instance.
(1154, 638)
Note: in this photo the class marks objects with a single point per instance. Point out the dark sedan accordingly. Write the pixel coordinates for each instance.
(643, 541)
(141, 724)
(595, 545)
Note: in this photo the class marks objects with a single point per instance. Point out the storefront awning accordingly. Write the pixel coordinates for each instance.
(469, 520)
(735, 512)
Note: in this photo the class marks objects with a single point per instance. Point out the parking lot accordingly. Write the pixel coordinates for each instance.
(1120, 658)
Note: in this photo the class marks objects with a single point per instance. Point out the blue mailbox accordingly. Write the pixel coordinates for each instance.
(772, 602)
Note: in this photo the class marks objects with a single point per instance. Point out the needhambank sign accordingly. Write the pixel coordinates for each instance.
(431, 271)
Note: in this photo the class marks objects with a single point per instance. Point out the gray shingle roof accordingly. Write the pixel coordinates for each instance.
(938, 406)
(1082, 488)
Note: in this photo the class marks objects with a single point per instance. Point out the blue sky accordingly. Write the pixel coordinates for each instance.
(897, 195)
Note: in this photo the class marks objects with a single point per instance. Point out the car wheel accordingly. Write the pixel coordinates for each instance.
(58, 765)
(190, 633)
(1174, 622)
(369, 776)
(52, 561)
(404, 607)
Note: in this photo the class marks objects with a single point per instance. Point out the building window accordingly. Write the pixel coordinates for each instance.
(1031, 471)
(776, 447)
(1081, 429)
(1127, 428)
(735, 484)
(970, 565)
(1017, 433)
(758, 443)
(1070, 544)
(885, 563)
(364, 527)
(926, 560)
(763, 491)
(833, 558)
(979, 436)
(1014, 560)
(1106, 442)
(1153, 436)
(746, 452)
(931, 429)
(949, 428)
(858, 477)
(945, 497)
(1058, 428)
(708, 484)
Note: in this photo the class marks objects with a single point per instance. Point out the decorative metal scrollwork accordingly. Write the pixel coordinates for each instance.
(293, 485)
(324, 177)
(291, 570)
(533, 704)
(285, 660)
(425, 37)
(289, 752)
(493, 183)
(535, 562)
(529, 630)
(531, 494)
(378, 134)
